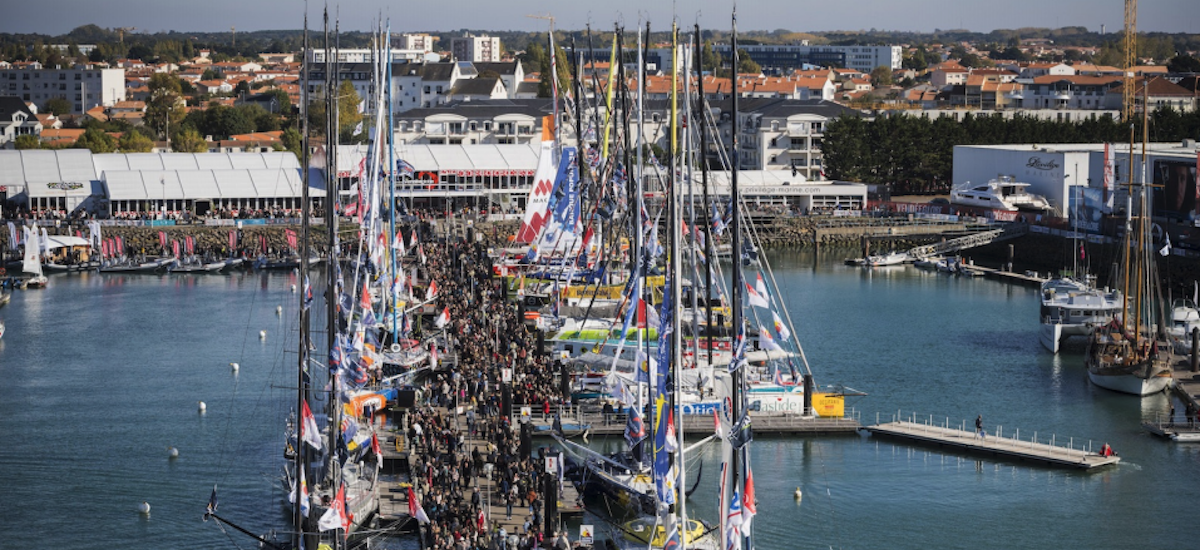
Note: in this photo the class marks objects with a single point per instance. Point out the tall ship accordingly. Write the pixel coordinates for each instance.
(1134, 352)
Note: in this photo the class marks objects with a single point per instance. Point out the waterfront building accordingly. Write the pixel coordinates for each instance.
(1060, 172)
(85, 86)
(782, 134)
(419, 85)
(500, 122)
(120, 185)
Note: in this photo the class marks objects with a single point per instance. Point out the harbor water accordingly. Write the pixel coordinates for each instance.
(103, 373)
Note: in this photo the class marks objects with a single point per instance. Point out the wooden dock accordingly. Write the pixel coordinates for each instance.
(993, 444)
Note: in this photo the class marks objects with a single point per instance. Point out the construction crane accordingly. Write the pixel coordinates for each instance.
(1129, 96)
(547, 17)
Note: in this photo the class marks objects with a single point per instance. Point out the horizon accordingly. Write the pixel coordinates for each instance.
(927, 16)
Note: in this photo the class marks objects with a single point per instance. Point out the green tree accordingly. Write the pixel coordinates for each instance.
(165, 108)
(916, 61)
(242, 88)
(709, 61)
(96, 140)
(27, 141)
(292, 141)
(58, 106)
(134, 142)
(1184, 63)
(347, 110)
(881, 76)
(141, 51)
(188, 140)
(747, 65)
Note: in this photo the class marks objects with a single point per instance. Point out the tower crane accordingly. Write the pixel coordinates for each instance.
(1129, 97)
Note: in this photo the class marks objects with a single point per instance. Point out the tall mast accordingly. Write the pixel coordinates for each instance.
(395, 305)
(332, 187)
(702, 116)
(299, 462)
(737, 460)
(676, 270)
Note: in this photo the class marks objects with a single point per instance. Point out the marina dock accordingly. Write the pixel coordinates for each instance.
(393, 497)
(701, 425)
(926, 430)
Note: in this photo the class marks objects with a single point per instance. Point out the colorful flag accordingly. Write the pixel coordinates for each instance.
(765, 341)
(404, 168)
(756, 299)
(780, 328)
(308, 293)
(375, 448)
(635, 429)
(748, 506)
(431, 291)
(761, 287)
(308, 428)
(303, 484)
(672, 442)
(443, 318)
(414, 508)
(335, 517)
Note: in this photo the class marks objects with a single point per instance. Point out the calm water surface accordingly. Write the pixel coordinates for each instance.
(101, 374)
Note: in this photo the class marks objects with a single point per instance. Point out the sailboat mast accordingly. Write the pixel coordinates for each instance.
(676, 270)
(738, 462)
(702, 116)
(395, 302)
(1143, 222)
(299, 462)
(331, 139)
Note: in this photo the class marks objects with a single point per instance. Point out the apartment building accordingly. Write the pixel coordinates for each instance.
(476, 48)
(85, 86)
(783, 58)
(782, 134)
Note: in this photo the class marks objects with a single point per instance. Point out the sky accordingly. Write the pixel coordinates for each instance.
(60, 16)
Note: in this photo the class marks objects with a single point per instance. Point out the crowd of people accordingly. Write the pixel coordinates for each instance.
(449, 473)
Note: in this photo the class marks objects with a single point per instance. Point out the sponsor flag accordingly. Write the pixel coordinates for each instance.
(232, 241)
(672, 443)
(733, 523)
(761, 287)
(404, 168)
(635, 429)
(375, 448)
(175, 248)
(336, 517)
(308, 428)
(398, 242)
(780, 328)
(358, 128)
(414, 508)
(308, 293)
(749, 508)
(303, 485)
(765, 341)
(755, 298)
(162, 239)
(443, 318)
(431, 291)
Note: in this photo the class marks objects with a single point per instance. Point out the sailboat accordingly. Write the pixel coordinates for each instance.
(33, 259)
(1134, 353)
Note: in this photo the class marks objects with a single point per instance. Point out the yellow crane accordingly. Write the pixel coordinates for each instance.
(1129, 96)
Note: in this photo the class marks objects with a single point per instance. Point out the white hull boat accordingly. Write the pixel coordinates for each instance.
(1002, 193)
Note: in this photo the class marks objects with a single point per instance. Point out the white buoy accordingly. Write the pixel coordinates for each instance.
(262, 335)
(202, 406)
(293, 287)
(799, 494)
(144, 508)
(172, 453)
(278, 310)
(234, 366)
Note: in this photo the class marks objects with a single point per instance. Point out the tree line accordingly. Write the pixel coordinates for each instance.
(915, 154)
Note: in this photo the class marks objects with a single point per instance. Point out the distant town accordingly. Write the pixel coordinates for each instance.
(115, 90)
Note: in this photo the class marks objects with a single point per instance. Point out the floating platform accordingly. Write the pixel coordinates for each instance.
(701, 425)
(971, 442)
(1184, 432)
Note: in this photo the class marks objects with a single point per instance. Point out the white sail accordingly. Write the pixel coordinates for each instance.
(33, 262)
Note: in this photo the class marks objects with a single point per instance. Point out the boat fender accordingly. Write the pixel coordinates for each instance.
(395, 348)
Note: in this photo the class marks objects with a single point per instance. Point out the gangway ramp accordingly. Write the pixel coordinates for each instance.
(1011, 231)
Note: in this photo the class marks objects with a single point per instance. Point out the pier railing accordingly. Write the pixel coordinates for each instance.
(1043, 442)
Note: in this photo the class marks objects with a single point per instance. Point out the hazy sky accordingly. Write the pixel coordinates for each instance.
(60, 16)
